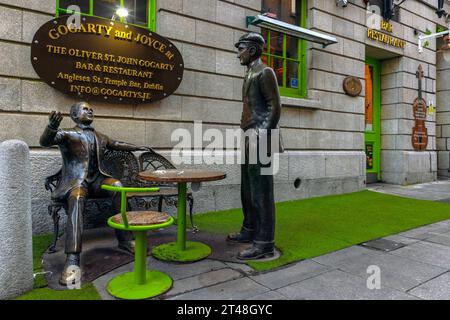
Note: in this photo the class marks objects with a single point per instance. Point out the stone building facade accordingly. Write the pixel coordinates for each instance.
(443, 114)
(324, 132)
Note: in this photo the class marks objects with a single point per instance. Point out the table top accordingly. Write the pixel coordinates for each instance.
(182, 175)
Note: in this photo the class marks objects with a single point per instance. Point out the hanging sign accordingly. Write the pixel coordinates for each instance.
(106, 60)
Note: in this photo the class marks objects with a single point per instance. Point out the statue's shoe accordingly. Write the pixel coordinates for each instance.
(240, 237)
(71, 276)
(255, 252)
(128, 246)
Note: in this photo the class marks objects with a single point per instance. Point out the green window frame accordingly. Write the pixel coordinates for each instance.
(151, 23)
(285, 90)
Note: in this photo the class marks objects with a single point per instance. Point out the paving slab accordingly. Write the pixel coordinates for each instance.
(427, 252)
(419, 235)
(337, 257)
(396, 272)
(180, 271)
(443, 239)
(292, 274)
(426, 232)
(435, 191)
(271, 295)
(440, 227)
(239, 289)
(203, 280)
(244, 268)
(443, 223)
(401, 239)
(339, 285)
(435, 289)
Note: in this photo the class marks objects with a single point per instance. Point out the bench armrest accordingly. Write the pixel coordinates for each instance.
(51, 181)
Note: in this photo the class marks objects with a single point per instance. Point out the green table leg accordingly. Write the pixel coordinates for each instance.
(182, 250)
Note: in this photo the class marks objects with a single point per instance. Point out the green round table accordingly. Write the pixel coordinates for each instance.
(181, 250)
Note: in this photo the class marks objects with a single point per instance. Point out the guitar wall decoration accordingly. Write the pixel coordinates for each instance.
(419, 135)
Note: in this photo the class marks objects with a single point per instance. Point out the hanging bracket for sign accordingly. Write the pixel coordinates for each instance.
(263, 21)
(108, 61)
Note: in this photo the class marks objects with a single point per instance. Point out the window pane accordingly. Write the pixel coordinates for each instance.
(292, 45)
(105, 8)
(138, 11)
(284, 10)
(292, 80)
(276, 43)
(265, 34)
(83, 4)
(277, 65)
(283, 52)
(265, 59)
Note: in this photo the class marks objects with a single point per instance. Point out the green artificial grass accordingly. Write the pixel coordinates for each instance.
(40, 244)
(169, 252)
(312, 227)
(87, 292)
(41, 291)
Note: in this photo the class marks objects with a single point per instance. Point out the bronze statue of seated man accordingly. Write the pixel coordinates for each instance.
(82, 150)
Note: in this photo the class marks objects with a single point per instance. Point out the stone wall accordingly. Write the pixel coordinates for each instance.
(399, 163)
(443, 115)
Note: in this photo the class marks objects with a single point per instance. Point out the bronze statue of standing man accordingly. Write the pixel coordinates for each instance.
(261, 113)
